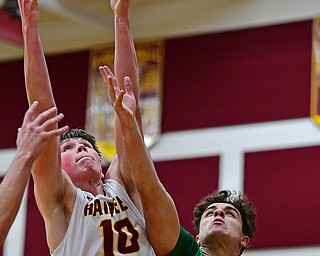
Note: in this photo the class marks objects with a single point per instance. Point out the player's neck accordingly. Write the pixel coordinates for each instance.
(220, 249)
(93, 188)
(220, 253)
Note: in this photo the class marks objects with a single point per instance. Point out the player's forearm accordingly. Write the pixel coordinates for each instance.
(11, 191)
(38, 88)
(37, 79)
(126, 63)
(141, 165)
(159, 208)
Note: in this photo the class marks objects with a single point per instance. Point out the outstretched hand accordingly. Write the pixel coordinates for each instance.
(29, 11)
(35, 131)
(123, 102)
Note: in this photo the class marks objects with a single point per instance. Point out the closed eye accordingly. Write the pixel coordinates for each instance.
(209, 212)
(87, 145)
(66, 148)
(232, 214)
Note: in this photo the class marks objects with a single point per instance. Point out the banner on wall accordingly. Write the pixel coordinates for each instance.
(100, 115)
(315, 72)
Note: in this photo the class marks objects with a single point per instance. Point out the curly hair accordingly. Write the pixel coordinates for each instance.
(79, 133)
(238, 200)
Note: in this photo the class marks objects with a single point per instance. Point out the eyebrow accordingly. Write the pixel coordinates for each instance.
(64, 141)
(228, 207)
(80, 140)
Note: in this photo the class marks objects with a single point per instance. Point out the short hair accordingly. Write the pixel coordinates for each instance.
(238, 200)
(80, 133)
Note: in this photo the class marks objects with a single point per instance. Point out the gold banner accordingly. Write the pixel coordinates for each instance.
(100, 115)
(315, 72)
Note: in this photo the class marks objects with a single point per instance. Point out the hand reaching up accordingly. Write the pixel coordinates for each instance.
(30, 14)
(123, 102)
(120, 8)
(35, 131)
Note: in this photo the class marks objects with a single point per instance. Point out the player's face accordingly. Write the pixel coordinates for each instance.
(80, 160)
(221, 220)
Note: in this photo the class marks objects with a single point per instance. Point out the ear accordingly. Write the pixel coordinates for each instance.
(244, 241)
(198, 240)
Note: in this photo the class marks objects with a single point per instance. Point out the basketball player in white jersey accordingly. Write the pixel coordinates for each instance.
(84, 215)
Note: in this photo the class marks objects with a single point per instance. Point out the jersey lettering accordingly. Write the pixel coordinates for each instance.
(99, 207)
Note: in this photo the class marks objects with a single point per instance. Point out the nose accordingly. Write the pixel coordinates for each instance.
(219, 212)
(81, 148)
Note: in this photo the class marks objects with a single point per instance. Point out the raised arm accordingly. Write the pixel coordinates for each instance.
(125, 64)
(38, 85)
(32, 137)
(125, 60)
(46, 170)
(158, 207)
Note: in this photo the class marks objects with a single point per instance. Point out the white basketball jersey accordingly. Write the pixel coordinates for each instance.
(108, 225)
